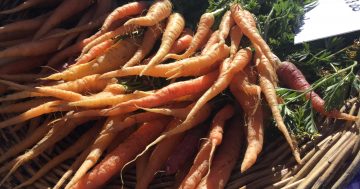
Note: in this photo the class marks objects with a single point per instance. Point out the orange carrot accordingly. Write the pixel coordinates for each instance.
(157, 12)
(235, 37)
(217, 128)
(242, 88)
(225, 158)
(126, 10)
(21, 28)
(65, 10)
(141, 163)
(269, 92)
(193, 66)
(251, 32)
(22, 106)
(181, 44)
(27, 141)
(25, 5)
(102, 141)
(32, 48)
(180, 113)
(174, 27)
(94, 52)
(71, 151)
(159, 156)
(214, 38)
(241, 59)
(150, 37)
(70, 36)
(116, 56)
(205, 24)
(23, 65)
(34, 112)
(135, 119)
(122, 30)
(226, 23)
(117, 158)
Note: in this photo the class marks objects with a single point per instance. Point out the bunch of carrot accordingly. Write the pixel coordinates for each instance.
(158, 129)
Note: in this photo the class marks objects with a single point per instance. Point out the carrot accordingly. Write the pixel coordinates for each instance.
(117, 158)
(32, 48)
(184, 150)
(95, 52)
(116, 56)
(157, 12)
(217, 128)
(56, 133)
(23, 6)
(242, 88)
(27, 141)
(122, 30)
(102, 141)
(123, 11)
(34, 112)
(166, 94)
(198, 170)
(193, 66)
(47, 91)
(150, 37)
(226, 23)
(227, 72)
(292, 77)
(135, 119)
(21, 28)
(159, 155)
(23, 65)
(268, 90)
(205, 24)
(65, 10)
(70, 36)
(96, 101)
(214, 38)
(74, 149)
(14, 42)
(21, 77)
(141, 163)
(181, 44)
(235, 37)
(22, 106)
(180, 113)
(251, 32)
(225, 158)
(174, 27)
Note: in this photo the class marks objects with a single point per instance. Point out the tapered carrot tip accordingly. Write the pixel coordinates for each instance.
(57, 76)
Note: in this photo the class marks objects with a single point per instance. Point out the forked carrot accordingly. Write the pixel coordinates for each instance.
(225, 157)
(205, 24)
(74, 149)
(174, 27)
(248, 96)
(117, 158)
(268, 89)
(157, 12)
(251, 32)
(129, 9)
(214, 38)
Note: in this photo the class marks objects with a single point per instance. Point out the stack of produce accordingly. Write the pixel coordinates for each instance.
(145, 90)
